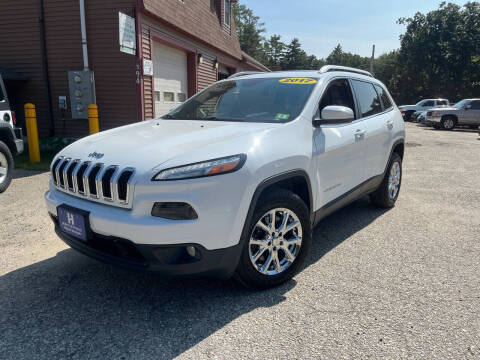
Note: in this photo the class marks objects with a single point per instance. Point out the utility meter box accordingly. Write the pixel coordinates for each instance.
(81, 85)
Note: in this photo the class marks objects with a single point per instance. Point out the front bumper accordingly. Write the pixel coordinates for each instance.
(433, 120)
(166, 260)
(221, 202)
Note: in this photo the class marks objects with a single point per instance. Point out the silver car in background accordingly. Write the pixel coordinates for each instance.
(463, 113)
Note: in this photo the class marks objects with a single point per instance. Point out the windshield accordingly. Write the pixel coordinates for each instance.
(248, 100)
(461, 104)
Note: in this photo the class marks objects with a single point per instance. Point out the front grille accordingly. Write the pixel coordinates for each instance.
(94, 181)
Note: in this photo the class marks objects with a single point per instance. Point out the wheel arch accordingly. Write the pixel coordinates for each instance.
(453, 116)
(397, 147)
(6, 136)
(296, 181)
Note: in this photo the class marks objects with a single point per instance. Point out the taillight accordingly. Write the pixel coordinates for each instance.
(14, 118)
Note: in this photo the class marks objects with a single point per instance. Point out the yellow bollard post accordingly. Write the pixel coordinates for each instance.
(93, 119)
(32, 133)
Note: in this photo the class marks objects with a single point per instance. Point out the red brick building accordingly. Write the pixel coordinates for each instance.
(182, 46)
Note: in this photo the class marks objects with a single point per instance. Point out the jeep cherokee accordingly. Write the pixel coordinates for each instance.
(232, 181)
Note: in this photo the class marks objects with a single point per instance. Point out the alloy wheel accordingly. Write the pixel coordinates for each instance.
(448, 124)
(275, 241)
(394, 180)
(3, 168)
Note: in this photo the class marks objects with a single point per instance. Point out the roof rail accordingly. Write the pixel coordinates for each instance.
(244, 73)
(328, 68)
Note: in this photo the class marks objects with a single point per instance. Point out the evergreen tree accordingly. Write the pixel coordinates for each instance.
(249, 31)
(295, 57)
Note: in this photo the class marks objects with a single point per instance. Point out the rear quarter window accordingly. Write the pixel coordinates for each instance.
(2, 97)
(368, 100)
(387, 103)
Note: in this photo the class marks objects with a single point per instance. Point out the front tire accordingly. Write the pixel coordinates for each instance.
(387, 194)
(277, 242)
(6, 166)
(448, 123)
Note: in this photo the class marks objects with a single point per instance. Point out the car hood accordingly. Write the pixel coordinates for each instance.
(148, 144)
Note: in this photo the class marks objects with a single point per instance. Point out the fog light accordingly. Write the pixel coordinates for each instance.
(174, 211)
(191, 251)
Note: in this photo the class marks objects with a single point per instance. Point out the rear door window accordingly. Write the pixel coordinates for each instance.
(387, 104)
(367, 98)
(441, 102)
(475, 105)
(429, 103)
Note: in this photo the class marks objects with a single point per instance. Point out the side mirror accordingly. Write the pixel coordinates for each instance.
(332, 115)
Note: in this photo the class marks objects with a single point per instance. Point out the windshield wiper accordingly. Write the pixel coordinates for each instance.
(214, 118)
(167, 116)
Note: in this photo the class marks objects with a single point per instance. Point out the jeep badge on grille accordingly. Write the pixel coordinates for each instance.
(95, 155)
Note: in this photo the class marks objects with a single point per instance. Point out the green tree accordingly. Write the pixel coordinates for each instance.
(339, 57)
(295, 57)
(249, 31)
(440, 53)
(274, 50)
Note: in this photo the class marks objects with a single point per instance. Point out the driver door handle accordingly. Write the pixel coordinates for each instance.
(359, 134)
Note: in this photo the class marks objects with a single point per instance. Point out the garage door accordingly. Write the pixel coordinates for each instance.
(170, 75)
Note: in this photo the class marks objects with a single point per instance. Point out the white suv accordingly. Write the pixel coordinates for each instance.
(233, 180)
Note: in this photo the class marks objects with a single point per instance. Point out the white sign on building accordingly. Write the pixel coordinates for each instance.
(126, 26)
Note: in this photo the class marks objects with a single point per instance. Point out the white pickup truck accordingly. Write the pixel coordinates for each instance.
(408, 110)
(11, 139)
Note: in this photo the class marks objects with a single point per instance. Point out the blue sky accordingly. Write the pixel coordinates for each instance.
(355, 24)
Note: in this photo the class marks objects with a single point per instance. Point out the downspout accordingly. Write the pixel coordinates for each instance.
(46, 75)
(84, 35)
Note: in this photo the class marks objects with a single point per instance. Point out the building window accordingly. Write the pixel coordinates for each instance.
(228, 12)
(157, 95)
(168, 96)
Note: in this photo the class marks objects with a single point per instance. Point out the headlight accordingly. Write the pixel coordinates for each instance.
(206, 168)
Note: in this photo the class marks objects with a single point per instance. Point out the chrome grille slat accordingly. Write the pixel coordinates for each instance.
(53, 169)
(59, 171)
(98, 181)
(112, 184)
(104, 180)
(74, 176)
(125, 199)
(86, 174)
(65, 172)
(71, 169)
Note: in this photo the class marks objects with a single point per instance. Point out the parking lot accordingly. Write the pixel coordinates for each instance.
(392, 284)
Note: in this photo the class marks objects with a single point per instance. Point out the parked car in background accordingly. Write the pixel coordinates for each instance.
(421, 116)
(11, 139)
(426, 104)
(463, 113)
(233, 180)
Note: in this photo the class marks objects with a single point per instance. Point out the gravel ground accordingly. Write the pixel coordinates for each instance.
(397, 284)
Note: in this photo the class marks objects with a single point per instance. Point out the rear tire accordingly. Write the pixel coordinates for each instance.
(264, 262)
(6, 166)
(408, 115)
(387, 193)
(448, 123)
